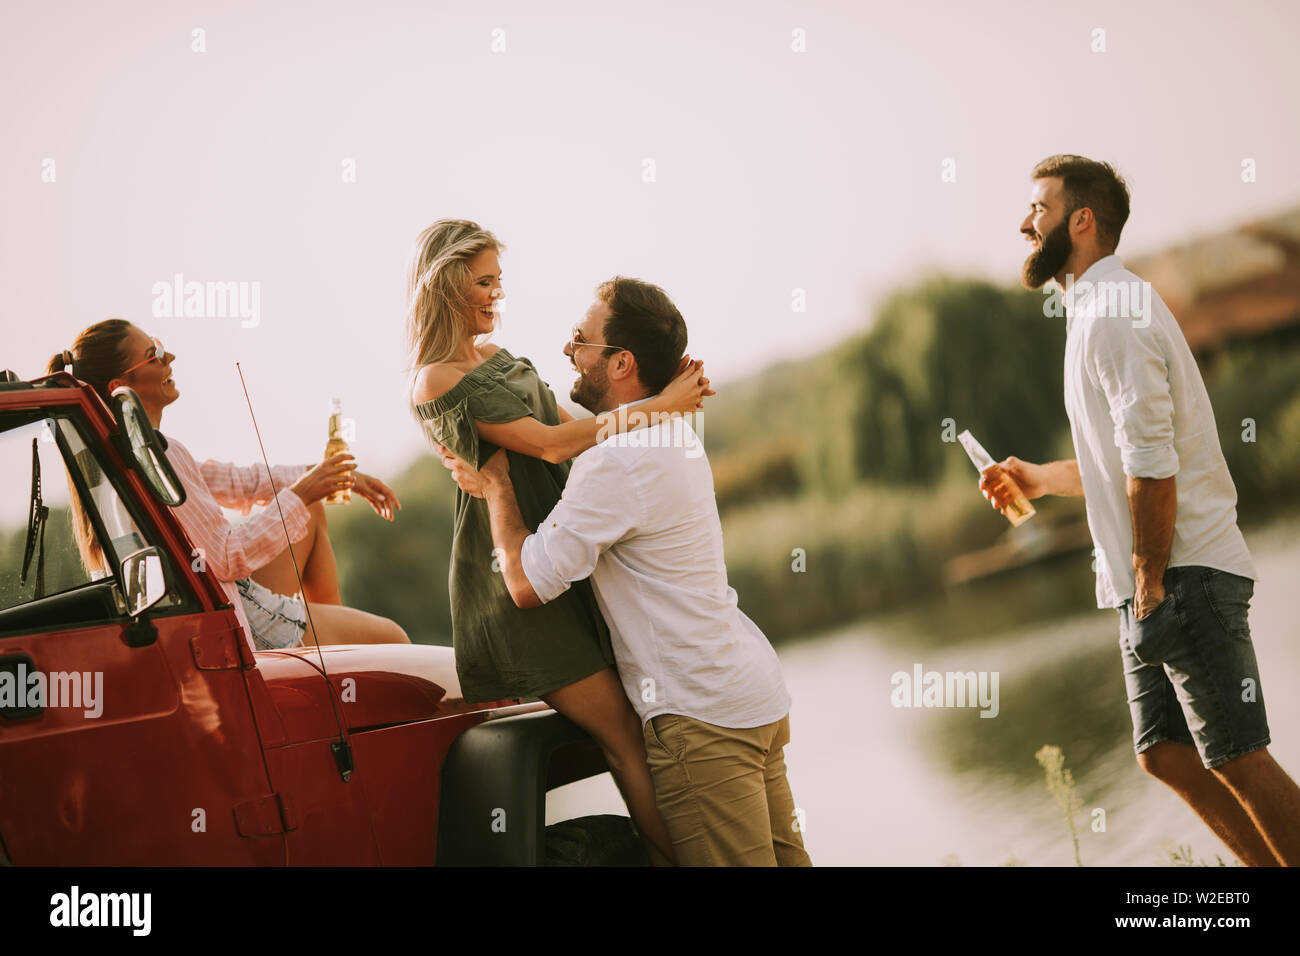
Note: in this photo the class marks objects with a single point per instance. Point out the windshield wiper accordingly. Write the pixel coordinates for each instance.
(36, 529)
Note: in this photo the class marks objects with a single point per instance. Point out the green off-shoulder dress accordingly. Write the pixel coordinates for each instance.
(503, 651)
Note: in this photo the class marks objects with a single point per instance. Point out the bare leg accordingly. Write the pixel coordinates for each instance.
(1270, 797)
(349, 625)
(1179, 767)
(599, 706)
(315, 557)
(320, 573)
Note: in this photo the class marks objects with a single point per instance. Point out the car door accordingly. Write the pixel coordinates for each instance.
(142, 748)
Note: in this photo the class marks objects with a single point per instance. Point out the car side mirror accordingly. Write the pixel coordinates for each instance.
(140, 444)
(144, 579)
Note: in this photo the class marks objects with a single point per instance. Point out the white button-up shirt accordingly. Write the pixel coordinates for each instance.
(1137, 407)
(638, 516)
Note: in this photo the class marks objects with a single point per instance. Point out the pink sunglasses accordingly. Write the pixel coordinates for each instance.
(159, 352)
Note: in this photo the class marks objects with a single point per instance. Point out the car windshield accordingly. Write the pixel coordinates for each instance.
(46, 544)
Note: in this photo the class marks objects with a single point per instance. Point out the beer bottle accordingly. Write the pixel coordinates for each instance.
(335, 446)
(1019, 510)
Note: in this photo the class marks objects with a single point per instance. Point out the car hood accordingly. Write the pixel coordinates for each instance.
(375, 685)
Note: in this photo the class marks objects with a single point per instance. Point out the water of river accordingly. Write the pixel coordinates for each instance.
(899, 786)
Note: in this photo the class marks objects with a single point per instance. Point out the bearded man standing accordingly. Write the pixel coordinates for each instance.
(1162, 512)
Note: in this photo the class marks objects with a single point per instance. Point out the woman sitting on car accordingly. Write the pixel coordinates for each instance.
(252, 560)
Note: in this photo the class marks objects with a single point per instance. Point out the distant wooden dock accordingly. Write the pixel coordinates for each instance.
(1018, 548)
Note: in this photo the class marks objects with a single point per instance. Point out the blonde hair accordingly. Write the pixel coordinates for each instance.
(437, 289)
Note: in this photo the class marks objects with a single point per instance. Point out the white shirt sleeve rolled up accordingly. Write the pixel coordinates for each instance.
(598, 508)
(1132, 370)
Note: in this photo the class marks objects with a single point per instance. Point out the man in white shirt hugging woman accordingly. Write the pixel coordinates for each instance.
(638, 516)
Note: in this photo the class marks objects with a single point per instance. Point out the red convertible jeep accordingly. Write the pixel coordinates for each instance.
(138, 727)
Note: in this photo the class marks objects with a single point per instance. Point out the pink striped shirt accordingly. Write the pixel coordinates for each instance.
(231, 551)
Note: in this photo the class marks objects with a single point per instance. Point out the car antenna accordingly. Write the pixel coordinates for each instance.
(341, 748)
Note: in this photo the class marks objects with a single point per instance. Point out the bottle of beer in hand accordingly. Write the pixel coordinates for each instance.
(334, 446)
(1019, 510)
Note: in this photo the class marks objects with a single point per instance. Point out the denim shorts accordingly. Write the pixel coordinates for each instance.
(1190, 670)
(277, 621)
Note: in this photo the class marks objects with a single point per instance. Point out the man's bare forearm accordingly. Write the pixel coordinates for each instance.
(508, 534)
(1063, 478)
(1153, 505)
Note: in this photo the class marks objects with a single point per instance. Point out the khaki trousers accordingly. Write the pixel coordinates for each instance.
(723, 794)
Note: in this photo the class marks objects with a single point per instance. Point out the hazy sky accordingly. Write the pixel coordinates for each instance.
(774, 170)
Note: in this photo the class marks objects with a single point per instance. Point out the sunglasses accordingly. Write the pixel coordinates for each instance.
(159, 352)
(575, 341)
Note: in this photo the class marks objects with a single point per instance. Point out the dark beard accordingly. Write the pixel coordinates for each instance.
(1049, 258)
(590, 389)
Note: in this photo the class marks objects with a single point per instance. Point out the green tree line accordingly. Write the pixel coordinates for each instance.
(846, 458)
(840, 488)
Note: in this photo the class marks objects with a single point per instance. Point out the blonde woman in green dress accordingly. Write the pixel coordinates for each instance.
(473, 398)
